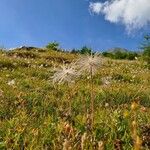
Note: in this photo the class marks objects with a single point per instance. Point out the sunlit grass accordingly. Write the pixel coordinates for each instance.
(34, 113)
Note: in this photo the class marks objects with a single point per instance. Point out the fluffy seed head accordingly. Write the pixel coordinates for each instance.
(87, 62)
(65, 74)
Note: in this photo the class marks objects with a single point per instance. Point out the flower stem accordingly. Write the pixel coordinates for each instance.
(92, 99)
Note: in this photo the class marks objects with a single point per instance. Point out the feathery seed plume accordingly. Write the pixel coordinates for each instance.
(65, 74)
(87, 62)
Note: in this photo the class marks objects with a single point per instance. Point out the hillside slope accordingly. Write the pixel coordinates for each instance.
(34, 112)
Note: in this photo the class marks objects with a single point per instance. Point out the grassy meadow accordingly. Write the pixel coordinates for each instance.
(36, 114)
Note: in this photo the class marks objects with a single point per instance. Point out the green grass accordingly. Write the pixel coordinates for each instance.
(33, 112)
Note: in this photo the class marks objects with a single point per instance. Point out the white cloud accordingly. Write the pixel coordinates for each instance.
(134, 14)
(96, 7)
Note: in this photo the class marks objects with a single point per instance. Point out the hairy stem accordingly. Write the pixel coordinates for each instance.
(92, 98)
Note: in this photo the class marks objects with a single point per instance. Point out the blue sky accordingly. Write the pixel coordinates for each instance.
(37, 22)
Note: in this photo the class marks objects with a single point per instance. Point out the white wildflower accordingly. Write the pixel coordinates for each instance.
(12, 82)
(106, 80)
(106, 104)
(136, 58)
(41, 66)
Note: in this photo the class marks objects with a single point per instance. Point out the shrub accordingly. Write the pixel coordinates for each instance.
(107, 54)
(121, 55)
(53, 46)
(132, 55)
(83, 50)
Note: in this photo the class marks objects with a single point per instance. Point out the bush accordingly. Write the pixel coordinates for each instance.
(53, 46)
(107, 54)
(83, 50)
(121, 55)
(132, 55)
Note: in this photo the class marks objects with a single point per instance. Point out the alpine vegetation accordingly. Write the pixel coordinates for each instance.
(93, 112)
(67, 73)
(90, 64)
